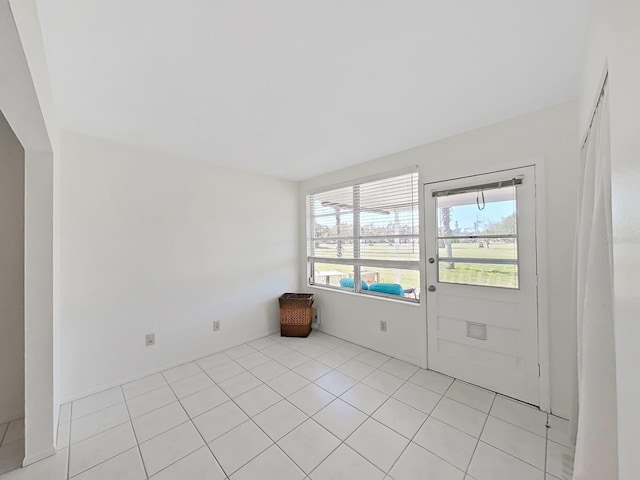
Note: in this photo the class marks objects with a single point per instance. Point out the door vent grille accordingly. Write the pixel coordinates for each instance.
(477, 330)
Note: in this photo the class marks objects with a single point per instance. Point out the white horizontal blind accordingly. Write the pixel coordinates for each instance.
(388, 213)
(369, 225)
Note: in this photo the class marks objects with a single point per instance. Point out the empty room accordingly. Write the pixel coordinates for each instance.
(295, 240)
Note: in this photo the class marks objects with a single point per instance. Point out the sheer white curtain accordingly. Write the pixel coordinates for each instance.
(596, 443)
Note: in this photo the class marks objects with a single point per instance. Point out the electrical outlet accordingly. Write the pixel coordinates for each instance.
(383, 326)
(150, 339)
(216, 325)
(315, 311)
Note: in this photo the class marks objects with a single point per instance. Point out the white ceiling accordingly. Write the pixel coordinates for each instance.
(296, 88)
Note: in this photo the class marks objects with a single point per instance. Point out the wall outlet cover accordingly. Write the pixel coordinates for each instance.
(150, 339)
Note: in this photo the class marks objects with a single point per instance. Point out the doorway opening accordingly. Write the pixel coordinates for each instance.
(12, 175)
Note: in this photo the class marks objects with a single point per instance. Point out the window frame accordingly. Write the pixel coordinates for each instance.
(356, 238)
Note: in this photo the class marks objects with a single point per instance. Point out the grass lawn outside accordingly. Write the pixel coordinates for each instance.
(487, 274)
(464, 273)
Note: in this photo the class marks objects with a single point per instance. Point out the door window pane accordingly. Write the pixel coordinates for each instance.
(477, 238)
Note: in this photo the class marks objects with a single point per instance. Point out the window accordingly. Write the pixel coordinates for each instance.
(365, 238)
(478, 237)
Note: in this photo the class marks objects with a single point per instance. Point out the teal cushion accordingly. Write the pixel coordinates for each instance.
(388, 288)
(348, 283)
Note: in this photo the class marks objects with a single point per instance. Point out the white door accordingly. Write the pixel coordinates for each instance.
(482, 312)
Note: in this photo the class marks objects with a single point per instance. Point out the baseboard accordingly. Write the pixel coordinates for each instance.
(163, 367)
(36, 457)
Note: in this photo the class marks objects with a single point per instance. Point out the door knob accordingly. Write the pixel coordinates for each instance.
(432, 288)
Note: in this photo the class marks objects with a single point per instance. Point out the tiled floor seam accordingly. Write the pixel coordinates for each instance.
(4, 433)
(193, 393)
(183, 378)
(249, 419)
(99, 409)
(485, 413)
(287, 455)
(177, 399)
(232, 399)
(103, 461)
(135, 435)
(478, 439)
(310, 417)
(190, 453)
(69, 446)
(418, 430)
(517, 458)
(112, 457)
(126, 399)
(510, 454)
(344, 442)
(151, 411)
(546, 444)
(406, 446)
(71, 442)
(208, 448)
(370, 417)
(515, 425)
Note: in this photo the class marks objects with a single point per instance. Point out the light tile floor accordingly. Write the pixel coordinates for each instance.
(317, 408)
(11, 445)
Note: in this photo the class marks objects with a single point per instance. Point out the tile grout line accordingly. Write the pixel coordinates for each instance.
(309, 417)
(101, 408)
(110, 458)
(513, 456)
(69, 448)
(488, 414)
(479, 436)
(208, 447)
(249, 419)
(368, 416)
(98, 433)
(4, 433)
(341, 442)
(411, 440)
(232, 399)
(135, 436)
(546, 446)
(282, 450)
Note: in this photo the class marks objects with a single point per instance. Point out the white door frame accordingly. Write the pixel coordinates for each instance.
(21, 106)
(544, 381)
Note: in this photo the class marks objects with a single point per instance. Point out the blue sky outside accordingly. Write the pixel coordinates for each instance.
(466, 216)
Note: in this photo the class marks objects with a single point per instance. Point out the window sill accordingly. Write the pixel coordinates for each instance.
(384, 298)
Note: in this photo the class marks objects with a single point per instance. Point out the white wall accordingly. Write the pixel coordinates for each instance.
(11, 274)
(550, 134)
(154, 243)
(614, 42)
